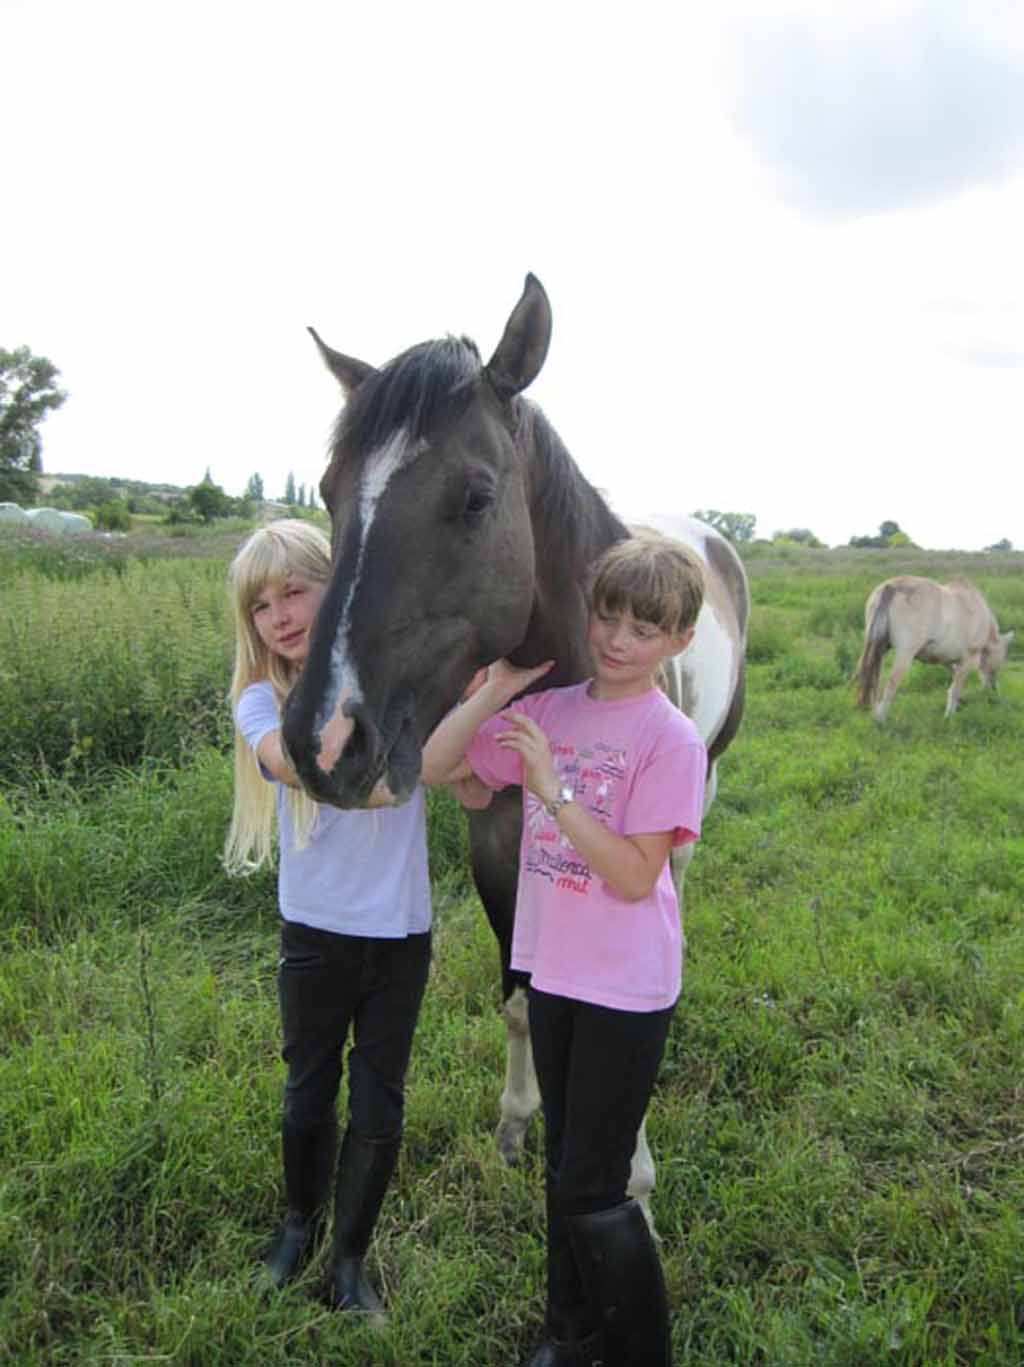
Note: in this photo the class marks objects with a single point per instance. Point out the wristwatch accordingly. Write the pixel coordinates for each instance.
(565, 796)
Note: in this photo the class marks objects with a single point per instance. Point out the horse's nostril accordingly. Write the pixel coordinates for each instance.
(355, 746)
(334, 738)
(362, 744)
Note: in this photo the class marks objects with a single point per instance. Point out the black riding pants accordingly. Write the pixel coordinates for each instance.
(596, 1068)
(328, 984)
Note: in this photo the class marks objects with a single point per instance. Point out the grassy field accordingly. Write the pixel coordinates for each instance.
(839, 1125)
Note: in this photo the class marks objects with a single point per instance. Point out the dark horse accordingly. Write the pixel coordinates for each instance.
(463, 532)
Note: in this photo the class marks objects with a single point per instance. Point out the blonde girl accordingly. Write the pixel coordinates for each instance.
(354, 899)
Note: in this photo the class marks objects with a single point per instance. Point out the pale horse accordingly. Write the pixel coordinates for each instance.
(938, 623)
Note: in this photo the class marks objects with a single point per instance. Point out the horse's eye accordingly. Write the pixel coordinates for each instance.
(477, 500)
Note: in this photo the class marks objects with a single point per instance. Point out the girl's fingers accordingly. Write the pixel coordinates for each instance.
(524, 723)
(476, 682)
(540, 670)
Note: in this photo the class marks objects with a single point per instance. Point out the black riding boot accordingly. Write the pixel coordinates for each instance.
(364, 1172)
(568, 1338)
(308, 1163)
(622, 1275)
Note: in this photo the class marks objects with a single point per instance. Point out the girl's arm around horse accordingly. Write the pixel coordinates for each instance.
(270, 753)
(444, 753)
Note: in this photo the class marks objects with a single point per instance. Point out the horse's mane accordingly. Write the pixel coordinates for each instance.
(414, 391)
(432, 384)
(563, 498)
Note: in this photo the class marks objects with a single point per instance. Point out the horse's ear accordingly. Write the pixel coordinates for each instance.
(349, 372)
(520, 354)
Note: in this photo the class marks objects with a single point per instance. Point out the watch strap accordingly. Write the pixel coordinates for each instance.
(562, 800)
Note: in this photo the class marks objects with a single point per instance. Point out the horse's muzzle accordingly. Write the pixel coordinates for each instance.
(351, 759)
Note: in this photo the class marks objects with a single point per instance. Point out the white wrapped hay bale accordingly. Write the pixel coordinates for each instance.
(58, 523)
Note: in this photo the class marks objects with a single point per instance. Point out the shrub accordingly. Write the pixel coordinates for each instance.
(768, 637)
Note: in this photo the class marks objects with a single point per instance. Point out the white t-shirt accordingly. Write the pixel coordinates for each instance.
(363, 872)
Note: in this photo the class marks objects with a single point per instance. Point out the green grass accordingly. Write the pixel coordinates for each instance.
(839, 1123)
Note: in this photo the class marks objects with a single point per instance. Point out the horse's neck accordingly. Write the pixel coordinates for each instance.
(572, 526)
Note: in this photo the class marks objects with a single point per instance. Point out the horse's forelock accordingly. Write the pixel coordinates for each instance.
(409, 393)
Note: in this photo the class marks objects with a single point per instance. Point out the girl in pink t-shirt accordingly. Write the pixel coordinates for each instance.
(612, 777)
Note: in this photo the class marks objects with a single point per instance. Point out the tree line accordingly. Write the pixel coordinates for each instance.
(30, 390)
(739, 529)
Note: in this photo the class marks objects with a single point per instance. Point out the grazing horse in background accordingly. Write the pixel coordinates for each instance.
(463, 532)
(938, 623)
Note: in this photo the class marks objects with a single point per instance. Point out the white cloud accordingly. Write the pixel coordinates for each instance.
(194, 185)
(880, 109)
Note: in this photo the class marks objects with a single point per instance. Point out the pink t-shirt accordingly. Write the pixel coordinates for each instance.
(638, 765)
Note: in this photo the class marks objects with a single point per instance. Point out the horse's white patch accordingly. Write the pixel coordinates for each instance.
(334, 735)
(689, 530)
(342, 684)
(703, 677)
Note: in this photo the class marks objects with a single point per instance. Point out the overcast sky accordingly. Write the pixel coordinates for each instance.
(782, 241)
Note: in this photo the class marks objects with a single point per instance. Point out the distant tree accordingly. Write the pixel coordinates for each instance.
(1004, 545)
(90, 492)
(289, 490)
(738, 527)
(28, 391)
(208, 500)
(800, 536)
(181, 513)
(889, 534)
(254, 489)
(114, 516)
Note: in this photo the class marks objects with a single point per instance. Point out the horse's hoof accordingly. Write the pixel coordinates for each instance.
(510, 1136)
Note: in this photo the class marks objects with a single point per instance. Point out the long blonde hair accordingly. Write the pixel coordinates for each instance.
(268, 556)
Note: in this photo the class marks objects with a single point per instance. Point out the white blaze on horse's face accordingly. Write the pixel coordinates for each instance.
(333, 728)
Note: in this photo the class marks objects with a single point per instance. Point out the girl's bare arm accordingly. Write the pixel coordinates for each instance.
(629, 864)
(444, 753)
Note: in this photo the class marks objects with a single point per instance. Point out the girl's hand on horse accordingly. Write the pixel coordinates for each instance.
(505, 681)
(475, 684)
(530, 742)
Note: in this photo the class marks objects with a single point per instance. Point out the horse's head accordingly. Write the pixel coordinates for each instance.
(433, 554)
(994, 655)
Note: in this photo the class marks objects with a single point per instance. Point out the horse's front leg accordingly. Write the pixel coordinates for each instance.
(960, 671)
(904, 659)
(641, 1176)
(521, 1095)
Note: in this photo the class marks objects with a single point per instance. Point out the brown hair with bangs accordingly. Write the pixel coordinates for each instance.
(654, 577)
